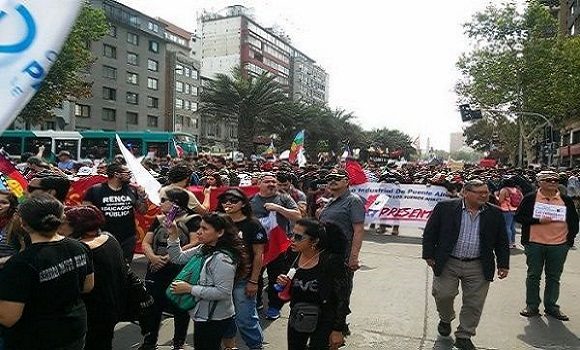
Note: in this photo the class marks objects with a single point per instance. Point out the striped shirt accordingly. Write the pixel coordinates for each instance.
(468, 242)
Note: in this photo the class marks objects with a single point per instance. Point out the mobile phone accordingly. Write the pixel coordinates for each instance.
(171, 216)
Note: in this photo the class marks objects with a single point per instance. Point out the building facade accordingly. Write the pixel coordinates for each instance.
(456, 142)
(309, 81)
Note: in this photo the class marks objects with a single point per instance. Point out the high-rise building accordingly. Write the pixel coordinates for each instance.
(456, 142)
(128, 75)
(309, 81)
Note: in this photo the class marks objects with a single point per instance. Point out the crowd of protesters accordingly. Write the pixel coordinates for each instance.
(66, 281)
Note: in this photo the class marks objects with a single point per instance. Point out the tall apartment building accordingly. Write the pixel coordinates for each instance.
(309, 81)
(128, 75)
(183, 82)
(456, 142)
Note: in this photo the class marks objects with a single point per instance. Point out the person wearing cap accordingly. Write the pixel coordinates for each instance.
(65, 162)
(546, 238)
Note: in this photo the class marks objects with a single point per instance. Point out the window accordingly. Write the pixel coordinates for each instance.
(152, 83)
(179, 69)
(109, 72)
(152, 121)
(194, 106)
(576, 137)
(113, 31)
(132, 98)
(82, 111)
(152, 65)
(187, 88)
(109, 51)
(187, 70)
(194, 90)
(132, 38)
(153, 27)
(178, 103)
(192, 123)
(178, 86)
(153, 46)
(132, 118)
(152, 102)
(134, 21)
(109, 94)
(132, 58)
(132, 78)
(194, 74)
(187, 105)
(109, 114)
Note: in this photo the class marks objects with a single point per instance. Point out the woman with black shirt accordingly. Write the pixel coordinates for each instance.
(318, 288)
(105, 303)
(40, 287)
(237, 206)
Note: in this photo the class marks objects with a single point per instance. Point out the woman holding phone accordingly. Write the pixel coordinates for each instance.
(160, 270)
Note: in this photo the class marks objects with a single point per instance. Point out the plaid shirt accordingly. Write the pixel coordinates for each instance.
(468, 242)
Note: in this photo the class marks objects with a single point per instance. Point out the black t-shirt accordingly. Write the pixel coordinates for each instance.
(252, 232)
(107, 299)
(118, 208)
(306, 285)
(48, 278)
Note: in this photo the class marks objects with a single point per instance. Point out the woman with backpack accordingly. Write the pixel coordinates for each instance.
(160, 270)
(319, 293)
(223, 259)
(510, 197)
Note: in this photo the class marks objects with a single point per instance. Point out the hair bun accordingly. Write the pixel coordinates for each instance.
(50, 222)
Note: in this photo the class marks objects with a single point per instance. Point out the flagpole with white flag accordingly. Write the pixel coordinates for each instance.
(142, 176)
(31, 36)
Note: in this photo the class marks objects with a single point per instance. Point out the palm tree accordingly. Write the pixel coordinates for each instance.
(253, 102)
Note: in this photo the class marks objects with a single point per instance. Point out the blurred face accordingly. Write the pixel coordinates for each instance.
(300, 240)
(65, 229)
(4, 204)
(34, 186)
(207, 234)
(124, 175)
(476, 196)
(102, 169)
(336, 182)
(284, 186)
(549, 185)
(231, 204)
(268, 186)
(165, 205)
(211, 181)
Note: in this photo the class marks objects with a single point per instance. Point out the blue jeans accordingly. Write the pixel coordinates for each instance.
(510, 226)
(247, 320)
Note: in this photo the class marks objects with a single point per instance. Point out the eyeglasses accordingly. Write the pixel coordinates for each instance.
(298, 237)
(31, 189)
(335, 178)
(232, 200)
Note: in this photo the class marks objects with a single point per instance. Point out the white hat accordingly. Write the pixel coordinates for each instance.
(85, 171)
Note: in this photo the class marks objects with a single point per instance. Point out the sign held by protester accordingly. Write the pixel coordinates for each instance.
(405, 205)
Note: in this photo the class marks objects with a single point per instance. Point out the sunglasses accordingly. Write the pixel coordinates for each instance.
(335, 178)
(298, 237)
(232, 200)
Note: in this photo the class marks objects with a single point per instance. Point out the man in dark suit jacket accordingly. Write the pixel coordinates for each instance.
(462, 239)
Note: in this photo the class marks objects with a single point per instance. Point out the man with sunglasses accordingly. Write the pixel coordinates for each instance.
(460, 241)
(546, 239)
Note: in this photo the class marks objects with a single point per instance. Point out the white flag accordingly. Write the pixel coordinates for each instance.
(32, 33)
(142, 176)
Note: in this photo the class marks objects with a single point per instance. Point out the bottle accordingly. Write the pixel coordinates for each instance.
(278, 287)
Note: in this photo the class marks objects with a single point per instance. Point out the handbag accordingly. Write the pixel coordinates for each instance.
(190, 273)
(304, 317)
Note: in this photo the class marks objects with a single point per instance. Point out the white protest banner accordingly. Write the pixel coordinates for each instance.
(31, 36)
(406, 205)
(142, 176)
(554, 212)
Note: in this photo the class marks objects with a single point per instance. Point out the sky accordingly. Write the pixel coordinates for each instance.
(391, 63)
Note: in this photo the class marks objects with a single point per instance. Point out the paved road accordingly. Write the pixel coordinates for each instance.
(393, 308)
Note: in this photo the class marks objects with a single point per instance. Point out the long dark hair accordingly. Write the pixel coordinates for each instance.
(42, 213)
(316, 230)
(229, 241)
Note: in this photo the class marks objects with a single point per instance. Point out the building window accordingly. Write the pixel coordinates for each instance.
(194, 74)
(194, 90)
(113, 31)
(132, 98)
(576, 137)
(179, 69)
(187, 88)
(109, 114)
(152, 102)
(178, 86)
(132, 78)
(152, 65)
(187, 71)
(132, 58)
(82, 111)
(153, 46)
(132, 118)
(152, 121)
(109, 72)
(194, 106)
(152, 83)
(109, 94)
(179, 120)
(153, 27)
(178, 103)
(132, 38)
(109, 51)
(187, 105)
(192, 123)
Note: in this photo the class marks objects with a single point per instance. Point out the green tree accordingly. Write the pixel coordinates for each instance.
(64, 81)
(517, 63)
(255, 103)
(391, 139)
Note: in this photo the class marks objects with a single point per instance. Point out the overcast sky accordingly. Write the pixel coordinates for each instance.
(392, 63)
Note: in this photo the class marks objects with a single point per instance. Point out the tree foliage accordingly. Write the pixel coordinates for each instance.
(64, 81)
(518, 63)
(392, 140)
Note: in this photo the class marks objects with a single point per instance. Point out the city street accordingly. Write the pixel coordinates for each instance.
(392, 306)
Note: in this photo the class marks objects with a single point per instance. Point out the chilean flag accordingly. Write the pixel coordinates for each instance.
(178, 149)
(278, 241)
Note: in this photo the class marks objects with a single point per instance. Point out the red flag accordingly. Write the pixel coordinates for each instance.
(278, 241)
(356, 174)
(15, 181)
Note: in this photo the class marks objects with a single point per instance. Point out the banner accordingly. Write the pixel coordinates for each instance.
(393, 204)
(31, 36)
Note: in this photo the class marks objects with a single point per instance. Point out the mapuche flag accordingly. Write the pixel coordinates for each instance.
(296, 147)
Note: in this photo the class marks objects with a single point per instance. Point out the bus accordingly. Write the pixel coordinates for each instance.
(96, 144)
